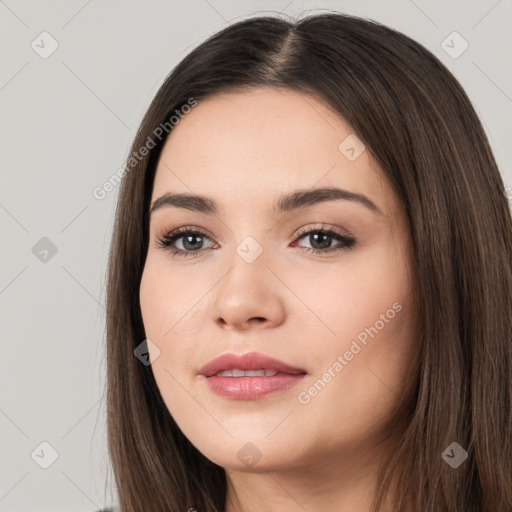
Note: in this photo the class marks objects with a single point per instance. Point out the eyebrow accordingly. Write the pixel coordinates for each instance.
(286, 203)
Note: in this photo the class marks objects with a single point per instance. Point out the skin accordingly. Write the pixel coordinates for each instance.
(243, 150)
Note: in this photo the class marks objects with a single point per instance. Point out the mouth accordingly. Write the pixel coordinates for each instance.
(231, 365)
(249, 376)
(247, 373)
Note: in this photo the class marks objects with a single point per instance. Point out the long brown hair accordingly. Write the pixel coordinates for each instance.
(420, 127)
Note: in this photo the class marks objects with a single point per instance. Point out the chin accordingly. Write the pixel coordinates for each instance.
(251, 454)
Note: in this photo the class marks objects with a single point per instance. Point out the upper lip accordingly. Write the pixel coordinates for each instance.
(248, 361)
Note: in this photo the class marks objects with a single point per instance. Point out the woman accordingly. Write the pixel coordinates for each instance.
(310, 286)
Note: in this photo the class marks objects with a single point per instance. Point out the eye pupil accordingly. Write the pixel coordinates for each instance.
(187, 242)
(324, 243)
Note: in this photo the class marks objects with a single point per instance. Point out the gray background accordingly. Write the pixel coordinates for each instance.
(66, 124)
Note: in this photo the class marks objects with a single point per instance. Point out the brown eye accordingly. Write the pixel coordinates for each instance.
(192, 241)
(321, 240)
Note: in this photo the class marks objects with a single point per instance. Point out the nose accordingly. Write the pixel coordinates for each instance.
(249, 297)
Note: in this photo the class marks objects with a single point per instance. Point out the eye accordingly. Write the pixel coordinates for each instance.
(192, 241)
(321, 239)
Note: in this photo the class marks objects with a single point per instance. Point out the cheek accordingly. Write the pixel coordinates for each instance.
(173, 305)
(166, 299)
(362, 372)
(369, 310)
(172, 316)
(166, 305)
(342, 300)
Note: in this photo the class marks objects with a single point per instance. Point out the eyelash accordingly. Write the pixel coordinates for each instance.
(166, 241)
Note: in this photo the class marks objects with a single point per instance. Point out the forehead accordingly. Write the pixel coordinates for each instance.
(254, 145)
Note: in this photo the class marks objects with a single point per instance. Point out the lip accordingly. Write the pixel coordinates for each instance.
(248, 361)
(249, 387)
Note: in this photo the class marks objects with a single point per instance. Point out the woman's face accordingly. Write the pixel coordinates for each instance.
(251, 281)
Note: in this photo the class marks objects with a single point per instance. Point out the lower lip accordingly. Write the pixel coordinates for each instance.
(252, 388)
